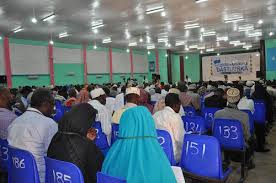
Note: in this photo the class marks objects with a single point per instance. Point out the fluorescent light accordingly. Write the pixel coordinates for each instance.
(107, 40)
(152, 46)
(271, 33)
(247, 46)
(193, 46)
(132, 44)
(239, 44)
(202, 29)
(141, 40)
(260, 21)
(222, 38)
(255, 33)
(234, 42)
(97, 26)
(18, 29)
(244, 28)
(49, 17)
(192, 26)
(179, 43)
(162, 40)
(237, 17)
(34, 20)
(95, 31)
(210, 49)
(234, 20)
(200, 1)
(202, 47)
(62, 35)
(210, 33)
(155, 9)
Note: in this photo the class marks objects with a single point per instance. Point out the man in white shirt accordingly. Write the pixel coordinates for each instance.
(168, 119)
(34, 129)
(132, 98)
(245, 103)
(104, 117)
(157, 95)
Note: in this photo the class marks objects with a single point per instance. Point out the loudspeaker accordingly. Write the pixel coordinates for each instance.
(3, 79)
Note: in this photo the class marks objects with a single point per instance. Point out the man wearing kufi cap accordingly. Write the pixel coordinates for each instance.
(104, 116)
(132, 97)
(231, 111)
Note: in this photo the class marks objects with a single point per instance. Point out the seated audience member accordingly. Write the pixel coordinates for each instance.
(231, 111)
(120, 99)
(83, 96)
(132, 98)
(72, 94)
(185, 98)
(216, 99)
(136, 155)
(6, 115)
(165, 91)
(249, 88)
(144, 100)
(157, 95)
(22, 101)
(245, 103)
(114, 91)
(104, 117)
(73, 141)
(195, 97)
(202, 91)
(168, 119)
(260, 93)
(34, 129)
(110, 101)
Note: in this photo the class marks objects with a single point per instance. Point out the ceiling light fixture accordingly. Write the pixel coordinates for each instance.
(151, 10)
(95, 31)
(148, 52)
(107, 40)
(127, 50)
(260, 21)
(132, 44)
(163, 14)
(152, 46)
(200, 1)
(244, 28)
(51, 42)
(179, 43)
(210, 49)
(234, 42)
(62, 35)
(192, 26)
(17, 29)
(209, 33)
(222, 38)
(95, 46)
(193, 46)
(218, 54)
(49, 17)
(141, 40)
(271, 33)
(201, 51)
(256, 33)
(34, 20)
(233, 18)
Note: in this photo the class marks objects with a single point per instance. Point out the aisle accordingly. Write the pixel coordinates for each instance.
(265, 171)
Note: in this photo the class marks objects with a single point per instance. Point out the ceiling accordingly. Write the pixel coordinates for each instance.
(126, 21)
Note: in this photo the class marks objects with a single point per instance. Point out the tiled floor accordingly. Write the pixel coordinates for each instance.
(265, 171)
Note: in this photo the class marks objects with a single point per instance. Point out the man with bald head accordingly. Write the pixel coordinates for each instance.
(6, 115)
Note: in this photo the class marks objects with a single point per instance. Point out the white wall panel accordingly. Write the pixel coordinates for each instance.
(97, 62)
(140, 63)
(68, 56)
(120, 62)
(2, 63)
(27, 59)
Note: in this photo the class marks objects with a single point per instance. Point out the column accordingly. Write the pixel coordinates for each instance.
(110, 64)
(131, 62)
(84, 56)
(51, 64)
(7, 61)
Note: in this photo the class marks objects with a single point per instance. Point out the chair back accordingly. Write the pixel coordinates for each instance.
(189, 111)
(22, 167)
(60, 171)
(101, 139)
(208, 114)
(165, 141)
(229, 133)
(251, 121)
(4, 155)
(153, 103)
(103, 178)
(115, 132)
(195, 124)
(59, 111)
(260, 112)
(201, 155)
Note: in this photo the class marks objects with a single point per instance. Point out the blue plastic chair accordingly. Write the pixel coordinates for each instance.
(230, 136)
(153, 103)
(115, 132)
(22, 167)
(66, 109)
(251, 121)
(101, 139)
(208, 114)
(4, 155)
(260, 112)
(201, 156)
(103, 178)
(164, 139)
(189, 111)
(195, 124)
(60, 171)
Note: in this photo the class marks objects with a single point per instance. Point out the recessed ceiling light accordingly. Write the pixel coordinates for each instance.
(163, 14)
(34, 20)
(202, 29)
(96, 4)
(95, 31)
(141, 40)
(271, 33)
(51, 42)
(49, 17)
(260, 21)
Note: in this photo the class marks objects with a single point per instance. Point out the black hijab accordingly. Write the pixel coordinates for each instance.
(70, 143)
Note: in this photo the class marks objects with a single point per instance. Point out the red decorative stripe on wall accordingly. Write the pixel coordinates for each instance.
(51, 64)
(7, 60)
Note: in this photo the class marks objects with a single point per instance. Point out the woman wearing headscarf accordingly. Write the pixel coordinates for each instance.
(136, 155)
(73, 141)
(145, 99)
